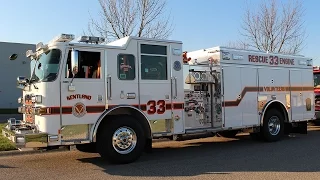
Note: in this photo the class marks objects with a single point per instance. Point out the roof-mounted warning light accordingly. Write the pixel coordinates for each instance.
(91, 39)
(63, 38)
(30, 54)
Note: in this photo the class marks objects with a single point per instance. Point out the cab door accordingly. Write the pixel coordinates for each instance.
(83, 100)
(122, 77)
(155, 80)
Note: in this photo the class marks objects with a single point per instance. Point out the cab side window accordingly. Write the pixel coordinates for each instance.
(154, 62)
(89, 65)
(126, 67)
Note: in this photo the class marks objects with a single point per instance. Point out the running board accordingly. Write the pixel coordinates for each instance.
(202, 130)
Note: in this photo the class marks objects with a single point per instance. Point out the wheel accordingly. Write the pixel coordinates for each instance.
(121, 141)
(273, 125)
(228, 134)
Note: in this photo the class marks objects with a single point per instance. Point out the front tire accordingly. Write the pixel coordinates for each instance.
(273, 125)
(121, 141)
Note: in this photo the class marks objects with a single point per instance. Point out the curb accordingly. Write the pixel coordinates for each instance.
(26, 152)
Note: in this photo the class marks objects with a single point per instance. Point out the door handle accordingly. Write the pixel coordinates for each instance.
(174, 86)
(131, 95)
(109, 87)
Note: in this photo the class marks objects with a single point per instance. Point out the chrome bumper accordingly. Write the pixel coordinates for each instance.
(24, 135)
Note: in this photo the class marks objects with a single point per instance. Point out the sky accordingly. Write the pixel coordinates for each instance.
(197, 23)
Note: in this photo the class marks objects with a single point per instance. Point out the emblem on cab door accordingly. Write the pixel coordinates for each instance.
(79, 110)
(177, 65)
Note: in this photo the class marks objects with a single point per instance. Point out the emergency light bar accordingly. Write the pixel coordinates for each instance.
(41, 46)
(91, 39)
(30, 53)
(63, 38)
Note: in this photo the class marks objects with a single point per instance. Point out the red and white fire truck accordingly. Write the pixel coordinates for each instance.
(119, 96)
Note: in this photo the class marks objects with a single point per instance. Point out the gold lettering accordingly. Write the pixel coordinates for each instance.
(276, 88)
(78, 96)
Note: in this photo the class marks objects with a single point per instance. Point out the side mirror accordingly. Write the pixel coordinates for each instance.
(22, 80)
(13, 57)
(74, 62)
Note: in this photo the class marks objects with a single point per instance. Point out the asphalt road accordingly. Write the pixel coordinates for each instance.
(296, 157)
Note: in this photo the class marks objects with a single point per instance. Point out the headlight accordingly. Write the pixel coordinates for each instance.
(37, 99)
(41, 110)
(21, 109)
(20, 100)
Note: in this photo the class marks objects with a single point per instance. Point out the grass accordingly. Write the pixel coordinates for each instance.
(9, 111)
(5, 144)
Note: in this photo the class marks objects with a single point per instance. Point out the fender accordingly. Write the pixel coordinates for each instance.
(107, 112)
(266, 107)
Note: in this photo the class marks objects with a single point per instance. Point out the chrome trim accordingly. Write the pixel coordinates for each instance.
(162, 126)
(274, 125)
(176, 88)
(131, 95)
(20, 100)
(124, 140)
(105, 113)
(173, 96)
(223, 97)
(290, 92)
(266, 107)
(53, 138)
(25, 138)
(109, 95)
(75, 132)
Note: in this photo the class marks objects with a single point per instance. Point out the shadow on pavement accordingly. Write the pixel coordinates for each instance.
(297, 153)
(3, 166)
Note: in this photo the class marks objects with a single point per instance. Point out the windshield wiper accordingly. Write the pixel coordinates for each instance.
(49, 77)
(32, 80)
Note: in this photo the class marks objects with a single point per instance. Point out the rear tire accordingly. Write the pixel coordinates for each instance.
(273, 125)
(121, 141)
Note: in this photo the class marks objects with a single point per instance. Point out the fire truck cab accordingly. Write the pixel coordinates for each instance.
(119, 96)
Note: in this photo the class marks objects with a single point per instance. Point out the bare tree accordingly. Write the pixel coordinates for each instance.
(273, 30)
(142, 18)
(237, 45)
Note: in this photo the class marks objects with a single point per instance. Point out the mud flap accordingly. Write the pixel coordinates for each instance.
(148, 146)
(299, 127)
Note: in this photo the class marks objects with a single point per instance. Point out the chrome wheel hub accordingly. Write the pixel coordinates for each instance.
(274, 125)
(124, 140)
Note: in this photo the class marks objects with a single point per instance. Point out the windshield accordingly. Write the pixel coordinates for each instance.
(316, 79)
(47, 67)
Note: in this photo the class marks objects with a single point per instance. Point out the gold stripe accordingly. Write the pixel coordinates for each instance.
(266, 89)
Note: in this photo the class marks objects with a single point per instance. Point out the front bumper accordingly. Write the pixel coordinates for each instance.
(24, 135)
